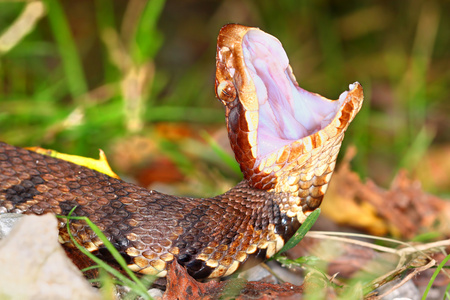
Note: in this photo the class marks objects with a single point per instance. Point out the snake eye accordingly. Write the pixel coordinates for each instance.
(226, 91)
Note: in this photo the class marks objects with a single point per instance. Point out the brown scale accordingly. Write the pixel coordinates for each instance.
(211, 237)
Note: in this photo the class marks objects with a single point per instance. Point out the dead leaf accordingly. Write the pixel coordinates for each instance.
(342, 205)
(181, 286)
(405, 210)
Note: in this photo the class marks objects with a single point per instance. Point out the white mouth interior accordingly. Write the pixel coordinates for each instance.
(287, 112)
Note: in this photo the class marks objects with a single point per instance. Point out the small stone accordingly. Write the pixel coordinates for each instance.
(407, 291)
(258, 273)
(155, 293)
(7, 222)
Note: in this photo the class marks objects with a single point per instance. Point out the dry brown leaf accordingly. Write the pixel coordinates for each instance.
(404, 210)
(180, 285)
(342, 205)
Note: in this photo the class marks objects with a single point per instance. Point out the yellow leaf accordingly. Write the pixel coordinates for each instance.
(101, 165)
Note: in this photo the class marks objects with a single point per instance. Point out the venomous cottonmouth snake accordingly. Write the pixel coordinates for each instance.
(285, 139)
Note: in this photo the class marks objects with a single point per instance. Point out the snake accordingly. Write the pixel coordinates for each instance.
(285, 139)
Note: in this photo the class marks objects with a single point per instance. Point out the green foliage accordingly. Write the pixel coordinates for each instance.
(300, 234)
(435, 274)
(228, 159)
(73, 72)
(147, 39)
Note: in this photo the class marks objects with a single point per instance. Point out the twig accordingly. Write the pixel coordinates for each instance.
(408, 277)
(409, 248)
(337, 236)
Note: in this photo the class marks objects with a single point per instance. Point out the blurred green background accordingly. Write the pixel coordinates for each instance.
(130, 76)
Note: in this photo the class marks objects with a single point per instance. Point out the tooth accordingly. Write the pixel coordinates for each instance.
(353, 85)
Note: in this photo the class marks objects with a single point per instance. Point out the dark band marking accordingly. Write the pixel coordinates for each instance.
(104, 254)
(119, 242)
(287, 227)
(67, 206)
(23, 192)
(198, 269)
(254, 259)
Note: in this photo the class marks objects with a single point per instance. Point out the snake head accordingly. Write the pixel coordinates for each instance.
(285, 138)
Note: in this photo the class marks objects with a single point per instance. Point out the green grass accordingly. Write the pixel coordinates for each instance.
(300, 234)
(435, 274)
(71, 64)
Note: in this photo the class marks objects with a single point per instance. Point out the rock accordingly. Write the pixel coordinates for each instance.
(155, 293)
(258, 273)
(33, 264)
(408, 291)
(7, 222)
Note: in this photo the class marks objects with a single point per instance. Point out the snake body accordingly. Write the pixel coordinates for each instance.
(285, 139)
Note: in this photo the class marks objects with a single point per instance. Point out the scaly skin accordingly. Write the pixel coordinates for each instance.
(211, 237)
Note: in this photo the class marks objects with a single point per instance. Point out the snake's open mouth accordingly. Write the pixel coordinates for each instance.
(287, 112)
(275, 127)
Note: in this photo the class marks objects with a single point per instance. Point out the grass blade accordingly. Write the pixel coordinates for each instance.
(147, 39)
(225, 157)
(134, 283)
(435, 274)
(69, 55)
(22, 26)
(300, 234)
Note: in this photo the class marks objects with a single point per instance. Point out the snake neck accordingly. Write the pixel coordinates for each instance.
(246, 225)
(281, 209)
